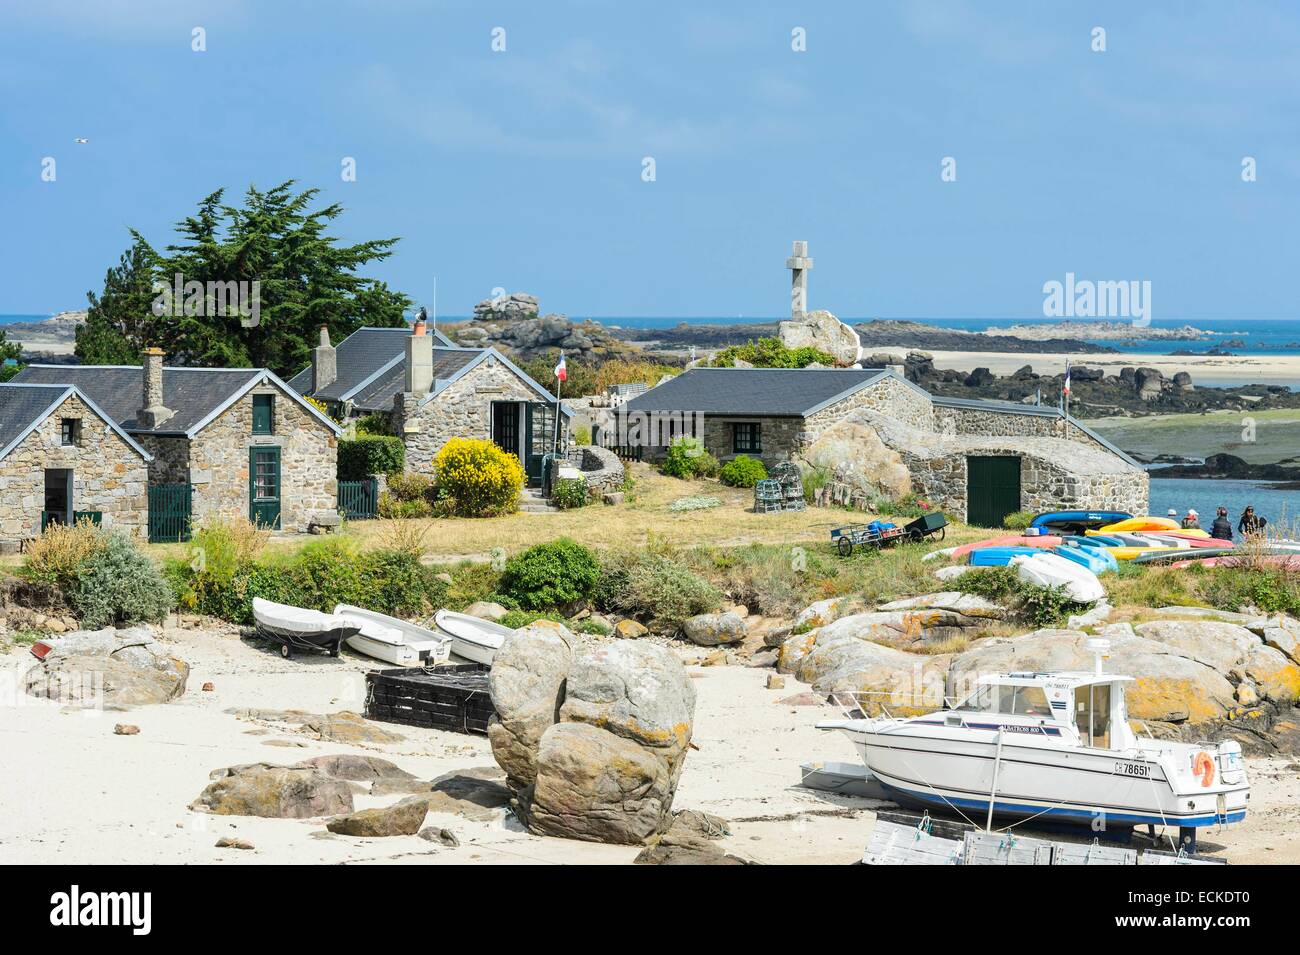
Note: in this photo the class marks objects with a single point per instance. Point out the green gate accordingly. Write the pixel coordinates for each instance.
(359, 500)
(992, 489)
(170, 506)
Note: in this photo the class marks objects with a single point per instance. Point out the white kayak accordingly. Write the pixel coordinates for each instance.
(474, 639)
(392, 640)
(1053, 570)
(300, 628)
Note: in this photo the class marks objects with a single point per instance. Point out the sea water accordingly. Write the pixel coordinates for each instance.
(1205, 495)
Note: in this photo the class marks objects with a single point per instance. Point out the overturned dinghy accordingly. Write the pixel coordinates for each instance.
(471, 638)
(1053, 570)
(296, 628)
(392, 640)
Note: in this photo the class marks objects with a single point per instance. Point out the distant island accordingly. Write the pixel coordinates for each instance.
(52, 337)
(1100, 331)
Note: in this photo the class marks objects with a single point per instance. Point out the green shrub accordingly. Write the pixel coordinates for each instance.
(686, 458)
(515, 619)
(391, 507)
(568, 493)
(369, 454)
(411, 487)
(118, 585)
(772, 353)
(743, 471)
(1018, 520)
(548, 576)
(1270, 589)
(582, 435)
(477, 478)
(57, 555)
(375, 424)
(654, 587)
(1038, 606)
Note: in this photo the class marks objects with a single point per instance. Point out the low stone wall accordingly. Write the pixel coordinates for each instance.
(601, 469)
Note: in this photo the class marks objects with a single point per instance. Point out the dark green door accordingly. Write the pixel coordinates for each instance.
(992, 490)
(264, 487)
(538, 438)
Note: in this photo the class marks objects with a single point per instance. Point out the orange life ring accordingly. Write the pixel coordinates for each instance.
(1203, 766)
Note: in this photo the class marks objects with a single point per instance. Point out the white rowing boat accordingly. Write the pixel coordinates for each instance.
(392, 640)
(300, 628)
(474, 639)
(1053, 570)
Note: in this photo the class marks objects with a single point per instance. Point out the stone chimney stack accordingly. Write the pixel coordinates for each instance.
(153, 412)
(419, 360)
(324, 362)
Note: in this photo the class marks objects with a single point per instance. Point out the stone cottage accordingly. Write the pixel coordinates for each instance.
(431, 391)
(63, 459)
(976, 460)
(220, 441)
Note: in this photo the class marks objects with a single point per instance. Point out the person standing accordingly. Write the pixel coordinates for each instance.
(1251, 523)
(1221, 529)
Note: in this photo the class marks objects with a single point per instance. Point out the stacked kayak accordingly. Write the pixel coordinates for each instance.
(999, 556)
(1097, 559)
(1139, 524)
(1047, 569)
(1044, 541)
(1076, 522)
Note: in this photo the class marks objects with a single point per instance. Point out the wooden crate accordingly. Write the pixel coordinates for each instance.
(451, 698)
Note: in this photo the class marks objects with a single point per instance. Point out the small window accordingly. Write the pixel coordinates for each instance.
(70, 432)
(747, 437)
(263, 413)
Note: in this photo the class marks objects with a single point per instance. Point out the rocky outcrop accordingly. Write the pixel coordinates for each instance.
(403, 819)
(511, 307)
(714, 629)
(855, 457)
(527, 687)
(276, 792)
(112, 669)
(604, 764)
(822, 330)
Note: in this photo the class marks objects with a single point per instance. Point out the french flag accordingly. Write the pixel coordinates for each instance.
(562, 370)
(1066, 388)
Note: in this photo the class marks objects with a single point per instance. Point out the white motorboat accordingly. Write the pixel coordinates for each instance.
(1055, 745)
(297, 628)
(1053, 570)
(392, 640)
(472, 638)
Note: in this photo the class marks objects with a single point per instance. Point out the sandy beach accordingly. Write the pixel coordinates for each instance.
(89, 796)
(1281, 369)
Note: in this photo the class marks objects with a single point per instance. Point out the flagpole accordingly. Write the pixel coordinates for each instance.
(555, 442)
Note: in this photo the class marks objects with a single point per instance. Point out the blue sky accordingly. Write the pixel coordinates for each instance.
(523, 169)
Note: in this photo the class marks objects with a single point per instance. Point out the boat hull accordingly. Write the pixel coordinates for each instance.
(1087, 786)
(471, 638)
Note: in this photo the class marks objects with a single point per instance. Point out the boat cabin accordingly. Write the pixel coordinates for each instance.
(1044, 703)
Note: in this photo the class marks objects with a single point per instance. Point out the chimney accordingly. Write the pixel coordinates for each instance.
(324, 362)
(153, 412)
(419, 361)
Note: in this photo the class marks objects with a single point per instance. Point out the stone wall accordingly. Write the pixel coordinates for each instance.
(218, 461)
(462, 410)
(1009, 423)
(109, 475)
(889, 395)
(780, 438)
(601, 469)
(1055, 473)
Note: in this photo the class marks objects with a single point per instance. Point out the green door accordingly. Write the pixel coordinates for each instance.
(539, 425)
(264, 487)
(992, 489)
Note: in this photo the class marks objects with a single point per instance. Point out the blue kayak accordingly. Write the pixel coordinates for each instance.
(1076, 522)
(1097, 542)
(1096, 559)
(1000, 556)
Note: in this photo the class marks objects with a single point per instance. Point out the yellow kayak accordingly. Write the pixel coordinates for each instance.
(1133, 524)
(1128, 553)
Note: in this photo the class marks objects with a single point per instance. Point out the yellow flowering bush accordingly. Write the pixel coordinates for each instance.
(477, 478)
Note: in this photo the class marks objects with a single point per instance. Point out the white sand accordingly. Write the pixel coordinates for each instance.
(73, 792)
(1242, 370)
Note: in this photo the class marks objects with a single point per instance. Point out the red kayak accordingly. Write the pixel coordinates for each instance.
(1010, 540)
(1289, 561)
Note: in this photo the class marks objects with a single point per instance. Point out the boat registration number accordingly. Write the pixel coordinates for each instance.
(1141, 770)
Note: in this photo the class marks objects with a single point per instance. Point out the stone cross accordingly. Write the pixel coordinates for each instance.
(799, 264)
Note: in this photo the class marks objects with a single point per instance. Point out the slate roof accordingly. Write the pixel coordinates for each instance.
(23, 407)
(378, 395)
(358, 357)
(192, 393)
(755, 392)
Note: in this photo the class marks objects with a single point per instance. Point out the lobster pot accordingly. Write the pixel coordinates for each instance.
(767, 496)
(451, 698)
(788, 476)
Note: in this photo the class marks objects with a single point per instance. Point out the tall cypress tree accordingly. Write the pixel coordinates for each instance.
(306, 279)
